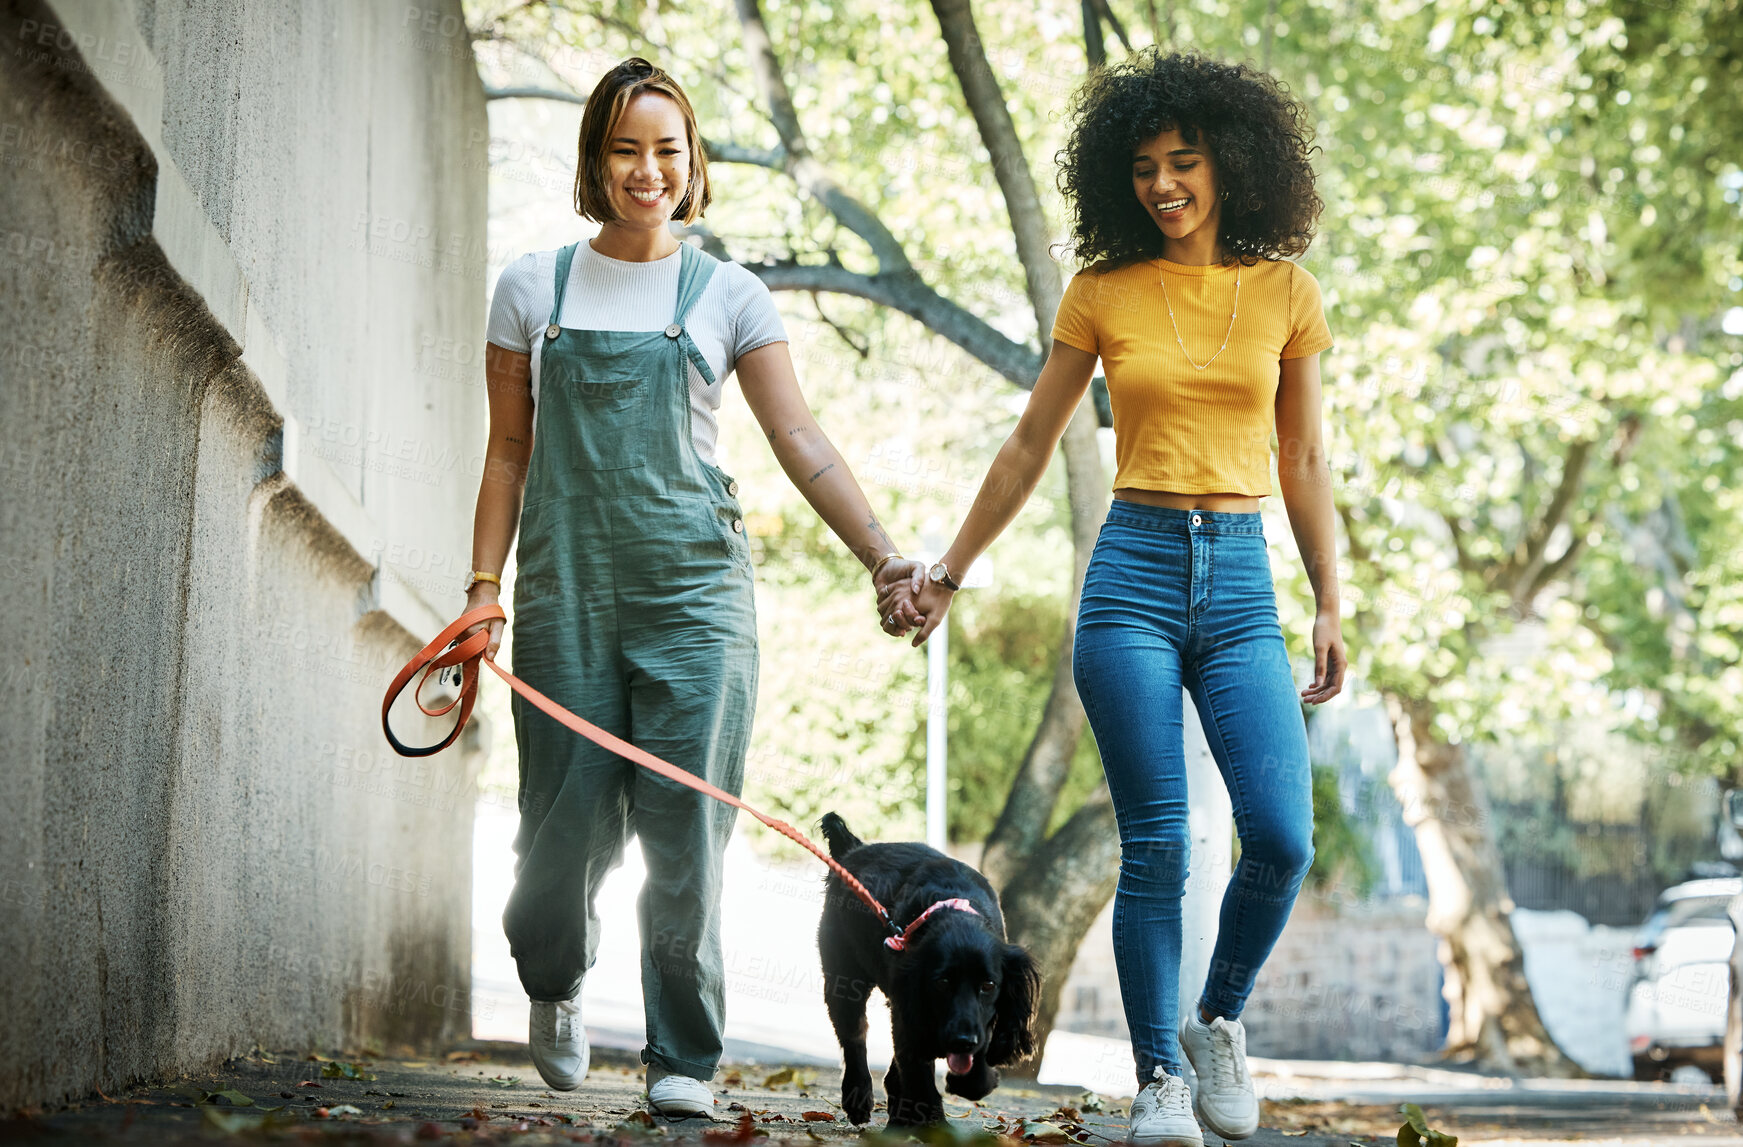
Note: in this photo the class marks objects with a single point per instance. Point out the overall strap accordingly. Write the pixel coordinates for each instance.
(565, 258)
(695, 269)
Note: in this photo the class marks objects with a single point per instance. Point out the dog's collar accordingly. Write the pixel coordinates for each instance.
(897, 943)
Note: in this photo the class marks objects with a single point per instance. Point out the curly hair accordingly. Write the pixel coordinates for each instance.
(1257, 134)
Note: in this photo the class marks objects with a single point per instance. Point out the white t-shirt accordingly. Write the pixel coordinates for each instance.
(734, 315)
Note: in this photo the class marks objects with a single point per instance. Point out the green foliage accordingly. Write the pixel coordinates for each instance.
(1343, 858)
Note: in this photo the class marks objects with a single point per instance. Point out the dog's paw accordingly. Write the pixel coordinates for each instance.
(857, 1102)
(975, 1085)
(915, 1113)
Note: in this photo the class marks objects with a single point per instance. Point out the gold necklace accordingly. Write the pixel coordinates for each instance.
(1162, 277)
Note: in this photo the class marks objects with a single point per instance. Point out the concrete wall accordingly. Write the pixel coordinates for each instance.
(241, 260)
(1360, 982)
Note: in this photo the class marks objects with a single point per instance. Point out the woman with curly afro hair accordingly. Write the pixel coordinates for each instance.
(1191, 187)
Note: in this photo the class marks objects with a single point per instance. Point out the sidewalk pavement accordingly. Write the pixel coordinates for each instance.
(489, 1092)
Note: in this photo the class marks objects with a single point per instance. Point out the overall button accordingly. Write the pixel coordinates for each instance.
(1197, 520)
(732, 488)
(553, 331)
(738, 525)
(674, 331)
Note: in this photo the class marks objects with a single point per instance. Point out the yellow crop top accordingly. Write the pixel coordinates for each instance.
(1176, 428)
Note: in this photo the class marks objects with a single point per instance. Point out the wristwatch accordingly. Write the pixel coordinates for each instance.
(478, 576)
(940, 573)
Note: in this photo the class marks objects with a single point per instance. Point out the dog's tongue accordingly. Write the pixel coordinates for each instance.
(958, 1063)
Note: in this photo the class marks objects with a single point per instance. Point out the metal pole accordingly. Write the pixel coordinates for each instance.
(937, 727)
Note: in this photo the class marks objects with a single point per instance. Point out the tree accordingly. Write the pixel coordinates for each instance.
(1529, 364)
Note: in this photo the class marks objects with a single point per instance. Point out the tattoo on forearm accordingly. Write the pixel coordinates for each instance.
(513, 439)
(876, 528)
(822, 472)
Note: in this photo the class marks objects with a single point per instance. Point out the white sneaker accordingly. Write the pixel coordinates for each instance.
(559, 1043)
(1162, 1114)
(678, 1095)
(1218, 1053)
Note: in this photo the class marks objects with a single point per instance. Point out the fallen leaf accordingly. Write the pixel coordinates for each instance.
(337, 1070)
(1040, 1131)
(343, 1109)
(232, 1097)
(742, 1133)
(819, 1116)
(1416, 1132)
(229, 1122)
(310, 1083)
(733, 1078)
(777, 1078)
(388, 1106)
(1091, 1102)
(503, 1080)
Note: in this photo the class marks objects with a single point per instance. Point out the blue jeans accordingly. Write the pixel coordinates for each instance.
(1173, 598)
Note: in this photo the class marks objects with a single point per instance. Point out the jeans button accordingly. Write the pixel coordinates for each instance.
(1197, 520)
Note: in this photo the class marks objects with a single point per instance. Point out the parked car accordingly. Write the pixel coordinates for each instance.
(1733, 1046)
(1680, 996)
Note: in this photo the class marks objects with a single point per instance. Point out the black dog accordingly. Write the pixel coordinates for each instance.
(957, 991)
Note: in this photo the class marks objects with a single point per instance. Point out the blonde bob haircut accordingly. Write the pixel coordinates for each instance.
(604, 108)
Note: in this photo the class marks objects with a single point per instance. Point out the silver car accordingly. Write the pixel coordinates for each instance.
(1680, 989)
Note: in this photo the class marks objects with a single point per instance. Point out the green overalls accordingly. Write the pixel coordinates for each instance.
(632, 607)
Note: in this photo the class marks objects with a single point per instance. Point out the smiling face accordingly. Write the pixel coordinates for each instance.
(1176, 182)
(647, 163)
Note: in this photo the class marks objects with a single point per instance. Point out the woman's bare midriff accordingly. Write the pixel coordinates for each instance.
(1215, 503)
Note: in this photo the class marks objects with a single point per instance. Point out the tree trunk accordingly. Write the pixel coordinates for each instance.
(1022, 823)
(1494, 1022)
(1051, 902)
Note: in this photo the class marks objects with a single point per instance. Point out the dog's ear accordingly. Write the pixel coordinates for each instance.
(1014, 1013)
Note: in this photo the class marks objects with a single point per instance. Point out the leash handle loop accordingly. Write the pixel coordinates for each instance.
(447, 649)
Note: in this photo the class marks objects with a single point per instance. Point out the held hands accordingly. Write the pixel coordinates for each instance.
(897, 583)
(907, 602)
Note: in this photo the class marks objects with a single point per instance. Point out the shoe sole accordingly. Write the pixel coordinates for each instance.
(1199, 1113)
(1169, 1141)
(675, 1112)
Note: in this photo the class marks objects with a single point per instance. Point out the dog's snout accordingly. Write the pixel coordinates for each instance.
(964, 1042)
